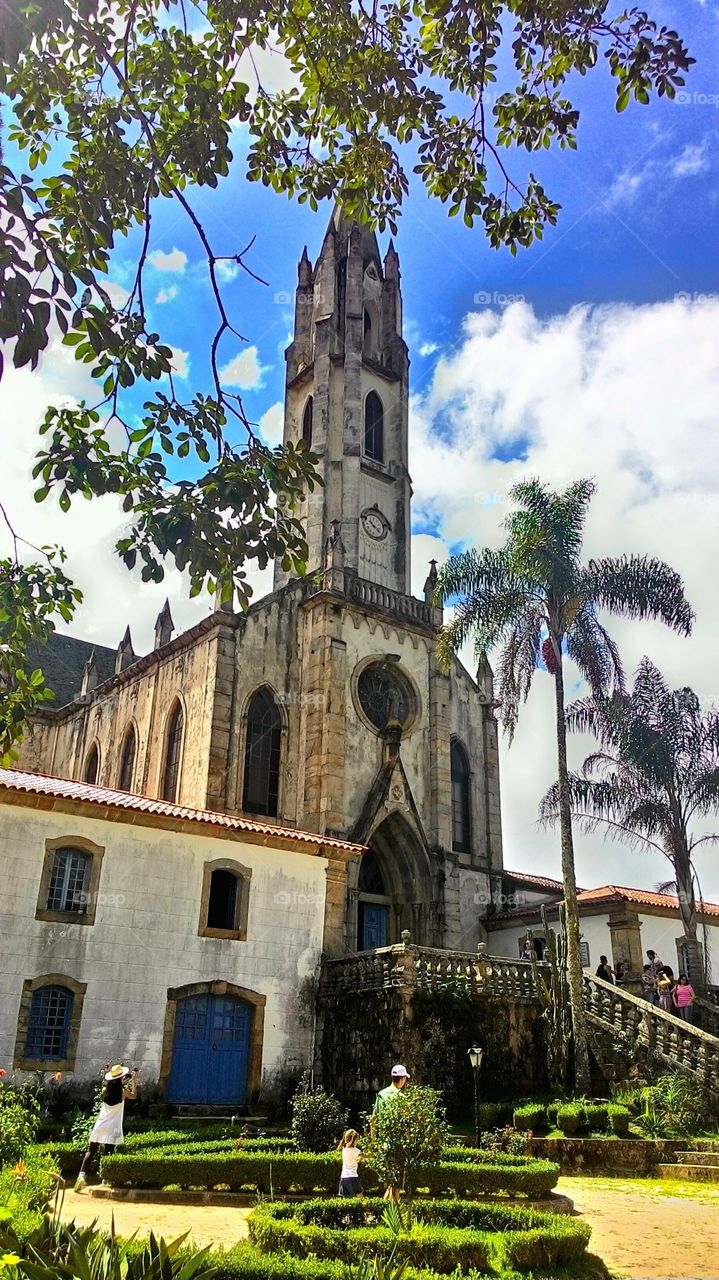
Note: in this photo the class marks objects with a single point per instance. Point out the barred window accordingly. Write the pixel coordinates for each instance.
(69, 881)
(49, 1023)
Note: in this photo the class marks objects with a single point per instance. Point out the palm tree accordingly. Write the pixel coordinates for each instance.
(535, 596)
(657, 771)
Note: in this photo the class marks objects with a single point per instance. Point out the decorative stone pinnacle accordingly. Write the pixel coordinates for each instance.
(405, 936)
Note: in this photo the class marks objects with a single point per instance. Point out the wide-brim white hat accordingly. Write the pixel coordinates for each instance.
(117, 1072)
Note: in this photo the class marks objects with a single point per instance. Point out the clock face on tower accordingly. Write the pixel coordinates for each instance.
(374, 523)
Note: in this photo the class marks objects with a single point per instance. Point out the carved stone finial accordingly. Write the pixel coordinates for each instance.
(125, 655)
(482, 950)
(431, 582)
(89, 674)
(405, 936)
(334, 559)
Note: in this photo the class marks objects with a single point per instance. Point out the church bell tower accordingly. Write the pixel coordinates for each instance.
(346, 396)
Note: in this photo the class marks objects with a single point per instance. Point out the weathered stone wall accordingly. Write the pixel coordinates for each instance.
(361, 1036)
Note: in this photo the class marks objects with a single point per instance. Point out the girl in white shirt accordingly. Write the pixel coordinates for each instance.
(351, 1155)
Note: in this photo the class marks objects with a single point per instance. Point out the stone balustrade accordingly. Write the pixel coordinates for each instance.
(412, 968)
(661, 1035)
(395, 602)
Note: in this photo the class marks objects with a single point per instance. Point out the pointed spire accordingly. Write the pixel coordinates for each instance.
(485, 678)
(125, 654)
(304, 269)
(391, 262)
(431, 582)
(164, 626)
(89, 674)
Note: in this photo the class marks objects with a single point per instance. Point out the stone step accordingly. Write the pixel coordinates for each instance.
(710, 1158)
(689, 1172)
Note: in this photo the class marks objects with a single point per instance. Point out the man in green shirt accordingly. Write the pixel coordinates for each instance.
(399, 1080)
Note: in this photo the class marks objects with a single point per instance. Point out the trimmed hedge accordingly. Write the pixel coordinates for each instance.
(530, 1116)
(286, 1171)
(69, 1156)
(619, 1118)
(443, 1235)
(570, 1118)
(598, 1117)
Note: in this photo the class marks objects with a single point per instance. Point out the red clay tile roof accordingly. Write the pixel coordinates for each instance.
(614, 893)
(39, 784)
(542, 882)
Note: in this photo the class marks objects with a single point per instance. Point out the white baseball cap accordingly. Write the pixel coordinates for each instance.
(399, 1070)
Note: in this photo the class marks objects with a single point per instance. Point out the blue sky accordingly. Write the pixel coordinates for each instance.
(596, 352)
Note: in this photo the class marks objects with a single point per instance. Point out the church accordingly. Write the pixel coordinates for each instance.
(322, 707)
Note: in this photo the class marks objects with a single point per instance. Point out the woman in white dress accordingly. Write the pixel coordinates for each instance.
(120, 1083)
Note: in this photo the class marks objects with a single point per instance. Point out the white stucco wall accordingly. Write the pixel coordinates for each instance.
(661, 934)
(145, 936)
(595, 931)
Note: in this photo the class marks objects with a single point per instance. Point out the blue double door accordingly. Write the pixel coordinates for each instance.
(373, 928)
(210, 1050)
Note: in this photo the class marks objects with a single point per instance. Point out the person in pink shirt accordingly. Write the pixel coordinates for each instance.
(683, 998)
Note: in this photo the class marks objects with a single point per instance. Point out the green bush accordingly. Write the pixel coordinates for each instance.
(407, 1136)
(619, 1118)
(596, 1116)
(531, 1116)
(25, 1190)
(674, 1107)
(19, 1119)
(570, 1118)
(446, 1236)
(287, 1171)
(318, 1119)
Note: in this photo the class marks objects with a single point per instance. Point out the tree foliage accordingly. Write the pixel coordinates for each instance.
(407, 1134)
(655, 772)
(117, 107)
(535, 600)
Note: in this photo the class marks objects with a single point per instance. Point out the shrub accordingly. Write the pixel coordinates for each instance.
(407, 1135)
(596, 1116)
(19, 1119)
(619, 1118)
(570, 1118)
(318, 1119)
(530, 1116)
(25, 1189)
(676, 1104)
(444, 1235)
(287, 1171)
(510, 1140)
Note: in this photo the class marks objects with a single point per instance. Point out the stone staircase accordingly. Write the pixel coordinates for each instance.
(623, 1027)
(692, 1166)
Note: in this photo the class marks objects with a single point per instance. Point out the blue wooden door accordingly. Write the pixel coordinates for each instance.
(210, 1050)
(374, 925)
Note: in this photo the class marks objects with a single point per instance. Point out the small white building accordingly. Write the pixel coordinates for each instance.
(619, 922)
(183, 941)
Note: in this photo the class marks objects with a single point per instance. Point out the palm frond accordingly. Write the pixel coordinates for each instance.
(517, 665)
(596, 656)
(638, 587)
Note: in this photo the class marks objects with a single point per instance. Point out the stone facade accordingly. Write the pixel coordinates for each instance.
(315, 645)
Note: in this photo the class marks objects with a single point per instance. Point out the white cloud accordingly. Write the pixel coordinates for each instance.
(180, 362)
(691, 161)
(626, 185)
(624, 394)
(176, 260)
(117, 295)
(428, 348)
(166, 295)
(244, 370)
(272, 424)
(226, 270)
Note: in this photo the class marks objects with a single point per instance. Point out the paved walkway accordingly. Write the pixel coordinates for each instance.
(641, 1229)
(650, 1230)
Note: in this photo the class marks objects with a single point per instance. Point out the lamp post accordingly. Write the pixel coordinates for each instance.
(475, 1055)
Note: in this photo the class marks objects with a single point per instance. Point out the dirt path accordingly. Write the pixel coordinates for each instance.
(650, 1230)
(207, 1224)
(642, 1229)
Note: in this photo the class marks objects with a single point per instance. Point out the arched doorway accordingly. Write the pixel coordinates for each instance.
(212, 1052)
(398, 879)
(373, 905)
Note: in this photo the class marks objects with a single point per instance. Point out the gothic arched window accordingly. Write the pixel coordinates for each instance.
(461, 831)
(262, 755)
(92, 765)
(127, 760)
(307, 423)
(371, 879)
(374, 427)
(173, 751)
